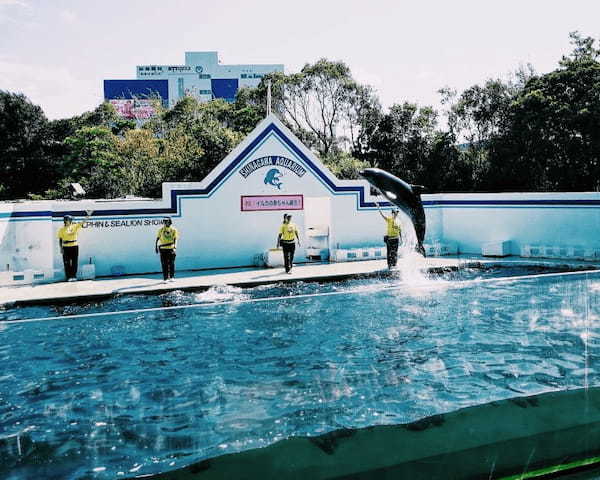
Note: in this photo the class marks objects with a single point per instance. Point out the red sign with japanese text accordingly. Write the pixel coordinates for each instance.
(254, 203)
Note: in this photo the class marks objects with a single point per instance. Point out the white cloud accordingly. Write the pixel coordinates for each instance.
(9, 15)
(365, 76)
(55, 89)
(68, 16)
(17, 3)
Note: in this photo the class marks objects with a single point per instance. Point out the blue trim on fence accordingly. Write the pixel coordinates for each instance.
(514, 202)
(26, 214)
(359, 190)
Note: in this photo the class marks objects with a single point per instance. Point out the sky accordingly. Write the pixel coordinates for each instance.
(58, 52)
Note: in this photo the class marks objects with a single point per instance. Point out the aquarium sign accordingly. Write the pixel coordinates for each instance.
(272, 161)
(254, 203)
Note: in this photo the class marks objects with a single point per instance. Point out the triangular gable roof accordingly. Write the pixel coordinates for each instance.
(173, 192)
(267, 128)
(272, 126)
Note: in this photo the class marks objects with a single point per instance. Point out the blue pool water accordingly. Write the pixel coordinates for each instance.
(112, 396)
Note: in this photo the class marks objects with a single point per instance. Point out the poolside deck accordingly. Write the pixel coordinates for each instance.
(203, 280)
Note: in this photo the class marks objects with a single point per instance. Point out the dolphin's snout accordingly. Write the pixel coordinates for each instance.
(368, 173)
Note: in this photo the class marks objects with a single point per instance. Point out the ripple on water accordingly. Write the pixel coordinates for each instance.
(145, 392)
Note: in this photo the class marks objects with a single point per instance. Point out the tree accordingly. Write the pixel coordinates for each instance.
(344, 166)
(402, 139)
(553, 139)
(321, 104)
(92, 161)
(138, 164)
(181, 157)
(203, 129)
(249, 108)
(24, 165)
(584, 50)
(444, 169)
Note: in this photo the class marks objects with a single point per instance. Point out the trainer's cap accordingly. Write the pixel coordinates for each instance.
(67, 217)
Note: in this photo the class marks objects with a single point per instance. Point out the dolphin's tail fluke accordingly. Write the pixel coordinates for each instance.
(421, 249)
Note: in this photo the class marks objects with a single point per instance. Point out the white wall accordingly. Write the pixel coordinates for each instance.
(215, 233)
(26, 243)
(566, 219)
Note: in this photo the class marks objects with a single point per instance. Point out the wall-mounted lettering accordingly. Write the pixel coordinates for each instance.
(137, 222)
(272, 161)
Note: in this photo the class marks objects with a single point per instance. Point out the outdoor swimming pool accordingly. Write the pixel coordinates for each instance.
(141, 392)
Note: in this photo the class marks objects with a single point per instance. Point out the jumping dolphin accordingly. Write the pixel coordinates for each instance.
(406, 197)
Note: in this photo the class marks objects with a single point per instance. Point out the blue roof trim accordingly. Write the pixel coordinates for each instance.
(359, 190)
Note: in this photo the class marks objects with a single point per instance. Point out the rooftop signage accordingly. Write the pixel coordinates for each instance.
(179, 68)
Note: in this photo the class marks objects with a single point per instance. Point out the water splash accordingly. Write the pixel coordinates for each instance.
(221, 293)
(411, 264)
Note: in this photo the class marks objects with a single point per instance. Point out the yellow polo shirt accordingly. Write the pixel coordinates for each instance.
(288, 232)
(68, 234)
(167, 236)
(393, 227)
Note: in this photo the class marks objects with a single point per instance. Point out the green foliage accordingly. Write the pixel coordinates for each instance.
(345, 166)
(324, 105)
(402, 139)
(553, 139)
(24, 164)
(408, 144)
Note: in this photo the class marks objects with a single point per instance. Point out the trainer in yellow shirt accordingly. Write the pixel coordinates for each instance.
(166, 245)
(67, 239)
(393, 227)
(392, 236)
(288, 234)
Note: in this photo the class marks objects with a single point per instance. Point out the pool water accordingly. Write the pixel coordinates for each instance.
(141, 392)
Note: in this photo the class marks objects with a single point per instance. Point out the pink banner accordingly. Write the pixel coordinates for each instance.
(253, 203)
(134, 109)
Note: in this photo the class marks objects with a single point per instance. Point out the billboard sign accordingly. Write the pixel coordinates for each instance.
(134, 109)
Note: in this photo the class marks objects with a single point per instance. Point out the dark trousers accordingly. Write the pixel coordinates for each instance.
(167, 261)
(70, 259)
(288, 254)
(392, 251)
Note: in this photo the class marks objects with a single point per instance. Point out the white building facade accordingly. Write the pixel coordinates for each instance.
(203, 77)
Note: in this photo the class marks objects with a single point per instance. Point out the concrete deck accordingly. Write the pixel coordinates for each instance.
(203, 280)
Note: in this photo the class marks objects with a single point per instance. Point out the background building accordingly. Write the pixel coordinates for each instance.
(133, 99)
(202, 77)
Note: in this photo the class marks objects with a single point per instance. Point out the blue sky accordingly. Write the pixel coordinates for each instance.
(58, 52)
